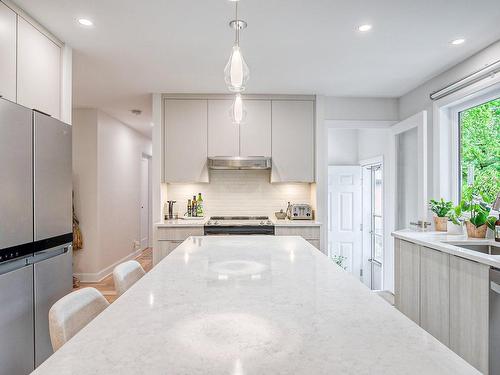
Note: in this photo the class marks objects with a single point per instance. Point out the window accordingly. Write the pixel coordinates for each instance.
(479, 150)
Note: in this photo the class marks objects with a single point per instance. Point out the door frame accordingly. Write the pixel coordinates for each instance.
(148, 158)
(419, 121)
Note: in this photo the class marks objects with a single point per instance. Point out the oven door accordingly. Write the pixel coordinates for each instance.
(239, 230)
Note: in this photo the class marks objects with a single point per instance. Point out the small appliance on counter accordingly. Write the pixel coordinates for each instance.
(299, 211)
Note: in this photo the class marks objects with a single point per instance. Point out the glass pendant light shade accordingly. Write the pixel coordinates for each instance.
(236, 72)
(237, 112)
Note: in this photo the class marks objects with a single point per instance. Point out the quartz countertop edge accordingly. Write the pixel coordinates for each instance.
(202, 222)
(450, 243)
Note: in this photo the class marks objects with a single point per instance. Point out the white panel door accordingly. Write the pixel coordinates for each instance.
(38, 70)
(292, 141)
(7, 53)
(409, 160)
(186, 140)
(255, 132)
(223, 135)
(144, 210)
(344, 222)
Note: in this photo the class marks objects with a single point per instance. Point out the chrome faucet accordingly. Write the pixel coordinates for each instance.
(421, 224)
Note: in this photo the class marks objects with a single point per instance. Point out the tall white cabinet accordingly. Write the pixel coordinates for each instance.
(223, 135)
(255, 132)
(38, 70)
(7, 53)
(292, 141)
(186, 140)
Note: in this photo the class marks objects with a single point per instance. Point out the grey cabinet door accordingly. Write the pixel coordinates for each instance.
(435, 293)
(16, 320)
(53, 279)
(408, 273)
(469, 305)
(16, 187)
(53, 177)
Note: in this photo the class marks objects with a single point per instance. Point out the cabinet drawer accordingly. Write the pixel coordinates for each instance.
(178, 234)
(309, 233)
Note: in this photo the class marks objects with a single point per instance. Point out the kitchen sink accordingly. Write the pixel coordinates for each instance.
(482, 248)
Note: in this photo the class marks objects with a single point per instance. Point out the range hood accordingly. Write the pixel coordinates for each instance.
(239, 162)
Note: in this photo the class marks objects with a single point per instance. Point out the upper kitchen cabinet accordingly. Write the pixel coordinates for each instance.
(251, 138)
(7, 53)
(223, 135)
(186, 140)
(292, 141)
(38, 70)
(255, 132)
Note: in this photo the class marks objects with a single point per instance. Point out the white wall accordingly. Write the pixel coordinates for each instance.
(418, 99)
(342, 146)
(378, 109)
(240, 193)
(106, 161)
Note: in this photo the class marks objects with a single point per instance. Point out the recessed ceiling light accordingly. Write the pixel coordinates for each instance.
(364, 28)
(458, 41)
(85, 22)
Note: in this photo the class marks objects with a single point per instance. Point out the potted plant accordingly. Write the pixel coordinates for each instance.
(478, 221)
(441, 209)
(455, 220)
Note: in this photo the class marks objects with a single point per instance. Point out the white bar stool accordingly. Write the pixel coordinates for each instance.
(73, 312)
(127, 274)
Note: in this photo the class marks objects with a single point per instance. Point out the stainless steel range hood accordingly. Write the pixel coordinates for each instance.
(239, 162)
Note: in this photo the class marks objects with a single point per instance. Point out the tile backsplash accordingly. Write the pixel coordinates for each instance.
(240, 193)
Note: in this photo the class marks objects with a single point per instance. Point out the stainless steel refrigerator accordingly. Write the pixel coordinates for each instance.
(35, 232)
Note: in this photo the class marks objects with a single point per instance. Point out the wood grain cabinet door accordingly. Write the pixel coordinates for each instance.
(435, 293)
(469, 311)
(408, 273)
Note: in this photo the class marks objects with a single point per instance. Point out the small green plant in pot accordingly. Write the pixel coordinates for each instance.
(456, 219)
(441, 209)
(478, 221)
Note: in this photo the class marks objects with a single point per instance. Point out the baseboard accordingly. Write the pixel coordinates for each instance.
(102, 274)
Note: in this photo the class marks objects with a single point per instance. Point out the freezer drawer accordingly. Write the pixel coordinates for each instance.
(16, 191)
(16, 318)
(53, 276)
(53, 177)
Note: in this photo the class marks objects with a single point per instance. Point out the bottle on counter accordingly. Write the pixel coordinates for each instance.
(199, 206)
(194, 207)
(189, 212)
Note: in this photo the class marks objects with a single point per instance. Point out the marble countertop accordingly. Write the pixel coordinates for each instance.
(251, 305)
(294, 223)
(450, 243)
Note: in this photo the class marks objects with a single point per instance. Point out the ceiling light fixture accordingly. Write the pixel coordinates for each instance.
(85, 22)
(364, 28)
(458, 41)
(236, 72)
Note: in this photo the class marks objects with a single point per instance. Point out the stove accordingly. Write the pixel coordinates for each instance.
(239, 225)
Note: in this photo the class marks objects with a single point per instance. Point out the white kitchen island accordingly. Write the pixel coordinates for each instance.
(251, 305)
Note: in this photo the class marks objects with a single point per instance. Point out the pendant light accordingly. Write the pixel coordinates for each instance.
(236, 73)
(237, 111)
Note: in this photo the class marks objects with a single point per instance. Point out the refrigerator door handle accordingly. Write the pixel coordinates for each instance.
(14, 265)
(50, 253)
(495, 287)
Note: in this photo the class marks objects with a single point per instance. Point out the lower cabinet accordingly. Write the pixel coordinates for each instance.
(168, 238)
(446, 295)
(407, 298)
(310, 233)
(469, 315)
(435, 293)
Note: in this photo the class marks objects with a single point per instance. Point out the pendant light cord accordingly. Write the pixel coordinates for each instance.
(237, 26)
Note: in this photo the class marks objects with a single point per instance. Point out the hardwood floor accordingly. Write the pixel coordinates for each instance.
(106, 286)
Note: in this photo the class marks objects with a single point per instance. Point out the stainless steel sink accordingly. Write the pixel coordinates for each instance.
(484, 248)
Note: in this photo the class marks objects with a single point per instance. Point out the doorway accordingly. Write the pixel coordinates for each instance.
(145, 203)
(373, 223)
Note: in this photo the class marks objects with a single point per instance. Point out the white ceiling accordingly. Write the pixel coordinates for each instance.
(292, 46)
